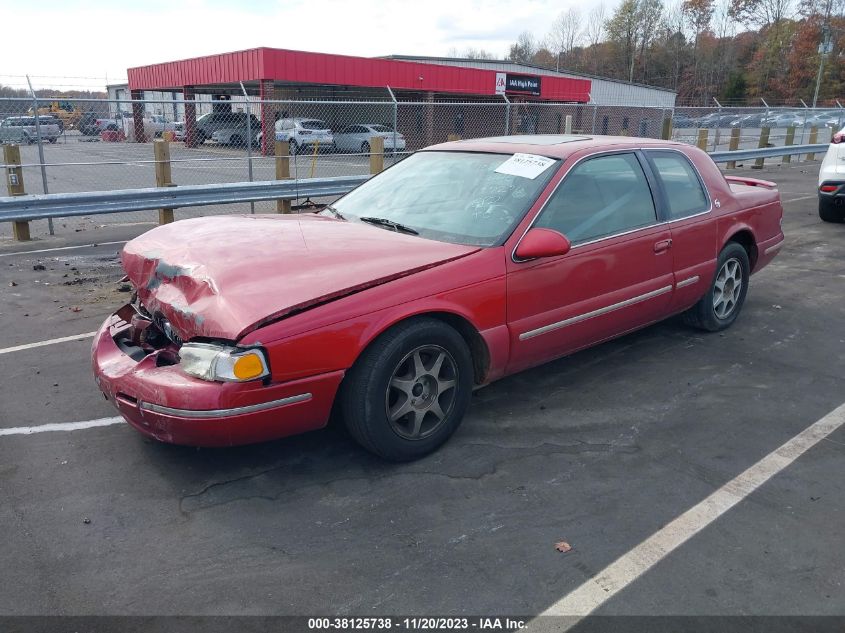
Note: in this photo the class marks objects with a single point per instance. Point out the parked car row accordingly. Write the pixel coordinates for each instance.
(763, 118)
(304, 134)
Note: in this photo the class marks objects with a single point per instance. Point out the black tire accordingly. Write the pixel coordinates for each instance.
(830, 213)
(367, 393)
(293, 147)
(199, 137)
(236, 141)
(365, 148)
(705, 314)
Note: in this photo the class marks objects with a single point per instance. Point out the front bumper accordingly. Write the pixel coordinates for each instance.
(164, 403)
(324, 141)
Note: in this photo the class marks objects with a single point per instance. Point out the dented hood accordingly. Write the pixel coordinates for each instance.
(224, 276)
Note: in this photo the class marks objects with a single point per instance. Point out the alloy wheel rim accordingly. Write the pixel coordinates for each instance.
(727, 288)
(421, 392)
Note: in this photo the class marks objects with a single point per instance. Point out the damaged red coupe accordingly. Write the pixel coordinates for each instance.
(464, 263)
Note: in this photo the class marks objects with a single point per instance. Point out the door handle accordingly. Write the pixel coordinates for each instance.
(662, 246)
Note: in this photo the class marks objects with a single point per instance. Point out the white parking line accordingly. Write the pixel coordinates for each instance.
(62, 248)
(801, 198)
(630, 566)
(52, 341)
(65, 426)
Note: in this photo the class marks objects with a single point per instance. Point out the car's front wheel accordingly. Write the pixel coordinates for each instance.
(720, 307)
(409, 390)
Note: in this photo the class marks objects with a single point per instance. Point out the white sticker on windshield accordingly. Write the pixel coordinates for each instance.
(525, 165)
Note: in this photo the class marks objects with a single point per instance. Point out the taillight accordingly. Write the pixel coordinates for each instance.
(838, 137)
(828, 188)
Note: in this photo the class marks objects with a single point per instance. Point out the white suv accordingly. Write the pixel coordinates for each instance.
(832, 180)
(304, 133)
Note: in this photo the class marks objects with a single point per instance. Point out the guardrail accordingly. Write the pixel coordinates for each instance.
(61, 205)
(24, 208)
(767, 152)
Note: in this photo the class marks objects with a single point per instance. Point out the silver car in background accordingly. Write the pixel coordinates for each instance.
(303, 133)
(356, 138)
(22, 130)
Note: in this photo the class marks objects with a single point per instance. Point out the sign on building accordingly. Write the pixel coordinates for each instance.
(508, 83)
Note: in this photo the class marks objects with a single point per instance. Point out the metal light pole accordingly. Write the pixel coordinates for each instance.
(825, 48)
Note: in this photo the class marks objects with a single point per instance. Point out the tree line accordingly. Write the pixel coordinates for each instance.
(734, 51)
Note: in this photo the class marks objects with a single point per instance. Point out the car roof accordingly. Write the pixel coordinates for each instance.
(552, 145)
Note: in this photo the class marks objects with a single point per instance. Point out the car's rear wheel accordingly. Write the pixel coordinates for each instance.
(409, 390)
(199, 137)
(236, 140)
(294, 147)
(365, 147)
(720, 307)
(828, 212)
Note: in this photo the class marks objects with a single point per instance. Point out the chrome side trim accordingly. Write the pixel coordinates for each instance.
(222, 413)
(589, 315)
(774, 247)
(687, 282)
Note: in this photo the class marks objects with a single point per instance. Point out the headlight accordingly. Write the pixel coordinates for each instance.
(221, 362)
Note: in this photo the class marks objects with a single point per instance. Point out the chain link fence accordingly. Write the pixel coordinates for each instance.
(96, 145)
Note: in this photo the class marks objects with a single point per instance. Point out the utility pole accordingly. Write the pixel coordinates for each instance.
(825, 48)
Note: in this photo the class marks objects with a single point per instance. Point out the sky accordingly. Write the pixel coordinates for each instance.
(81, 44)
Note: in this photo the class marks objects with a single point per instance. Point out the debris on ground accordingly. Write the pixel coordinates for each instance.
(86, 520)
(13, 284)
(76, 309)
(39, 267)
(124, 288)
(563, 547)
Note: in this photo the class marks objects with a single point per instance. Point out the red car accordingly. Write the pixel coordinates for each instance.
(464, 263)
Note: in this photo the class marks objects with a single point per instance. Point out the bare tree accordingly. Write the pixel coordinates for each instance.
(524, 49)
(478, 53)
(594, 30)
(565, 34)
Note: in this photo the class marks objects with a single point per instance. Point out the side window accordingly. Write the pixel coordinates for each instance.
(684, 194)
(600, 197)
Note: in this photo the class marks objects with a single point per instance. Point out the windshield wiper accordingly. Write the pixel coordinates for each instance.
(399, 228)
(334, 212)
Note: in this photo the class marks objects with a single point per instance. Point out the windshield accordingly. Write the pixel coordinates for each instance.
(456, 197)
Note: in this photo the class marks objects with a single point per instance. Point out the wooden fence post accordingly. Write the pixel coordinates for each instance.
(666, 132)
(14, 184)
(733, 146)
(814, 138)
(702, 139)
(376, 155)
(282, 152)
(790, 140)
(161, 152)
(764, 142)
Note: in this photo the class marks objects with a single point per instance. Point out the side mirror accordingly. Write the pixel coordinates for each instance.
(542, 243)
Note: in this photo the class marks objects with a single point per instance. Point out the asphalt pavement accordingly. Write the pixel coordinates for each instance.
(601, 450)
